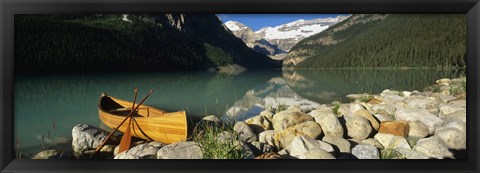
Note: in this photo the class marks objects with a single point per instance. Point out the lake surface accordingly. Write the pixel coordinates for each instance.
(48, 106)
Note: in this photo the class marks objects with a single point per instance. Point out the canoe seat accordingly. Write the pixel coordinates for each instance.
(126, 111)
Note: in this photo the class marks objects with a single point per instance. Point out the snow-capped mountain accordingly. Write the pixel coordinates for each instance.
(298, 29)
(235, 26)
(280, 39)
(244, 32)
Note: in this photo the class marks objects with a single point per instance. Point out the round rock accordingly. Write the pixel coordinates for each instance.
(392, 141)
(328, 121)
(342, 144)
(366, 114)
(287, 118)
(283, 138)
(246, 134)
(421, 115)
(417, 129)
(358, 127)
(453, 137)
(433, 147)
(258, 123)
(180, 150)
(365, 152)
(86, 137)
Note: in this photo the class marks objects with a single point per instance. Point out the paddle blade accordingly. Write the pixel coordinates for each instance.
(126, 140)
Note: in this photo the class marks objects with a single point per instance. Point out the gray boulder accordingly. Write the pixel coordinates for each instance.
(442, 98)
(225, 136)
(460, 103)
(391, 141)
(258, 123)
(47, 154)
(288, 118)
(418, 102)
(283, 138)
(458, 125)
(433, 147)
(457, 116)
(142, 151)
(373, 142)
(328, 121)
(382, 117)
(180, 150)
(301, 145)
(421, 115)
(365, 152)
(343, 110)
(411, 154)
(246, 134)
(85, 138)
(358, 127)
(453, 137)
(388, 108)
(267, 115)
(211, 118)
(395, 100)
(367, 115)
(447, 109)
(417, 129)
(342, 144)
(354, 107)
(267, 137)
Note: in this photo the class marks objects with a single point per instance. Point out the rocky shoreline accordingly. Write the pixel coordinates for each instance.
(390, 125)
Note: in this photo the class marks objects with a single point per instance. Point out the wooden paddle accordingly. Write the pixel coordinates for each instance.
(127, 136)
(115, 129)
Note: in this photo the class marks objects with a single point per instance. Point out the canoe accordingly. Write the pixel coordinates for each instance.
(148, 122)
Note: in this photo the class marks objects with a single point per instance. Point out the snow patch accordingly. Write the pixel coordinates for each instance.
(299, 28)
(235, 26)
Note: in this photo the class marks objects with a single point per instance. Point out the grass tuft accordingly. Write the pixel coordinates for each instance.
(280, 107)
(366, 98)
(389, 153)
(335, 106)
(218, 140)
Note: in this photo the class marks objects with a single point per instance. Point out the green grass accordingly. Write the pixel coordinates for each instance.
(457, 90)
(390, 154)
(207, 136)
(335, 106)
(413, 141)
(280, 107)
(366, 98)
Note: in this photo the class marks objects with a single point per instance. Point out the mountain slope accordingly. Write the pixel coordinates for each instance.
(81, 43)
(395, 40)
(252, 39)
(279, 39)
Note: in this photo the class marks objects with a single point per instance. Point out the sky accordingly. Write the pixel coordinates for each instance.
(257, 21)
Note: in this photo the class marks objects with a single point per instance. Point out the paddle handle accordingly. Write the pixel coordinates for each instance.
(135, 97)
(115, 129)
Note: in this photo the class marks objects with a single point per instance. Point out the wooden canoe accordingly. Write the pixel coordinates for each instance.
(148, 122)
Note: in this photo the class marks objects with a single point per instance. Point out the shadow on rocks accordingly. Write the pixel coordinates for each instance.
(343, 122)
